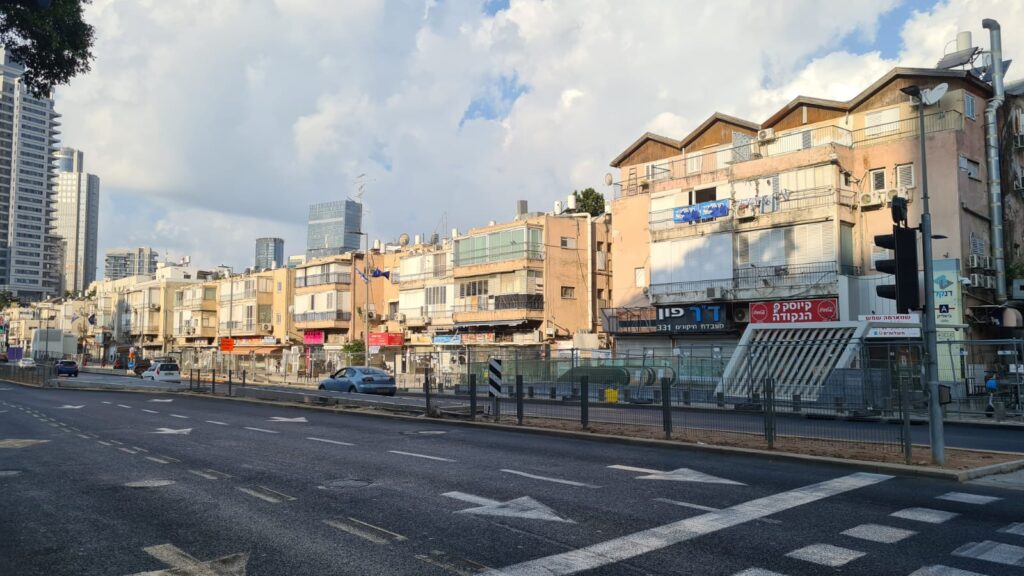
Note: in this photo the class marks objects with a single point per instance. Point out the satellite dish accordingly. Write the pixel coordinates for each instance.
(934, 95)
(403, 240)
(608, 179)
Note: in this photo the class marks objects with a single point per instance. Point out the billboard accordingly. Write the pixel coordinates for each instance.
(794, 311)
(700, 212)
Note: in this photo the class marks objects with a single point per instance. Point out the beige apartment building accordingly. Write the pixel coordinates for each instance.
(713, 231)
(195, 317)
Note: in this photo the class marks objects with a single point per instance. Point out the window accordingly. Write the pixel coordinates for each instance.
(881, 122)
(640, 277)
(473, 288)
(877, 179)
(436, 295)
(568, 292)
(693, 163)
(972, 168)
(905, 176)
(705, 195)
(568, 242)
(969, 106)
(600, 293)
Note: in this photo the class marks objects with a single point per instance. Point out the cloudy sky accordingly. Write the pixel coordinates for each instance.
(213, 123)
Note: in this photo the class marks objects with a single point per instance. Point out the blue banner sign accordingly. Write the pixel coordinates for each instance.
(448, 339)
(700, 212)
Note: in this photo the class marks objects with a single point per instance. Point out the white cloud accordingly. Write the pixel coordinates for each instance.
(226, 119)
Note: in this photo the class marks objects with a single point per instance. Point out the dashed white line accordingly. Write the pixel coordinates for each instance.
(926, 515)
(261, 430)
(179, 416)
(210, 474)
(82, 436)
(157, 460)
(128, 450)
(105, 402)
(104, 443)
(266, 494)
(364, 530)
(826, 555)
(415, 455)
(990, 551)
(549, 479)
(123, 406)
(139, 449)
(688, 505)
(338, 442)
(218, 423)
(878, 533)
(150, 411)
(202, 474)
(966, 498)
(757, 572)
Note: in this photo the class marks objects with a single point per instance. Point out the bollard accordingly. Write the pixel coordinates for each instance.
(585, 401)
(213, 381)
(243, 378)
(519, 399)
(190, 379)
(426, 390)
(666, 406)
(552, 392)
(229, 382)
(796, 403)
(529, 391)
(656, 394)
(720, 399)
(769, 412)
(472, 396)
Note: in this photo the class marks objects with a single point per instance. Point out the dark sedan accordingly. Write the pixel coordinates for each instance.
(67, 368)
(361, 379)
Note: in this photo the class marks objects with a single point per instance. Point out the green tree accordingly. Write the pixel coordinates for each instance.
(49, 37)
(8, 299)
(589, 200)
(356, 352)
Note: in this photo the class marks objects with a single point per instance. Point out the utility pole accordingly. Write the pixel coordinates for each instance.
(366, 302)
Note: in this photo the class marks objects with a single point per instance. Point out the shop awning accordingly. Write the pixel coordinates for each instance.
(490, 323)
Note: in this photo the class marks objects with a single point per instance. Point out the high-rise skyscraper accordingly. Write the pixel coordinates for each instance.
(122, 263)
(334, 228)
(30, 251)
(78, 210)
(269, 253)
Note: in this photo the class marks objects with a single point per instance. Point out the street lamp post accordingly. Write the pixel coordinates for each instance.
(935, 425)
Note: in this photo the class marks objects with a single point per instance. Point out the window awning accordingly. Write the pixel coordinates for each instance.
(490, 323)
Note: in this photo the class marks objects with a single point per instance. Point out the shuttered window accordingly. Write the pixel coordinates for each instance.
(791, 245)
(905, 176)
(693, 163)
(881, 122)
(877, 179)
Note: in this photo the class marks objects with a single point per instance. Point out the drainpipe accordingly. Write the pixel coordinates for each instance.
(992, 150)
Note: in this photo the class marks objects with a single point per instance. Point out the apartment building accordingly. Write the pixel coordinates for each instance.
(738, 220)
(426, 296)
(252, 310)
(124, 262)
(78, 207)
(148, 313)
(195, 316)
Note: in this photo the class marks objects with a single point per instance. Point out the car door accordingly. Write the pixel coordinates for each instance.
(345, 379)
(334, 382)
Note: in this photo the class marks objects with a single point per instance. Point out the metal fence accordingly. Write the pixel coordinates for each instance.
(36, 375)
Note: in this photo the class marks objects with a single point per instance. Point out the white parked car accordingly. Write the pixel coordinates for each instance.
(162, 372)
(26, 363)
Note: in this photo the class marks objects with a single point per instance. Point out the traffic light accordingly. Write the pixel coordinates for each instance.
(903, 242)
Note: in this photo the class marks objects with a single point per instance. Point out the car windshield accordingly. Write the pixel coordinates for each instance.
(67, 362)
(373, 372)
(169, 367)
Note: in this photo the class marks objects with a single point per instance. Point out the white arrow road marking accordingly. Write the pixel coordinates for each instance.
(70, 407)
(548, 479)
(636, 544)
(172, 431)
(524, 507)
(162, 400)
(678, 475)
(282, 419)
(181, 564)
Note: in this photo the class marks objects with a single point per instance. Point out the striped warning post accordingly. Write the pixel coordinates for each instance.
(494, 378)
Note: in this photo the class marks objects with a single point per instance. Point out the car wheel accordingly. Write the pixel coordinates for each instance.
(352, 390)
(322, 387)
(392, 393)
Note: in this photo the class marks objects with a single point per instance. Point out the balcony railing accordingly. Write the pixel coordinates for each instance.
(319, 279)
(436, 273)
(428, 311)
(490, 255)
(243, 295)
(237, 325)
(503, 302)
(764, 278)
(195, 302)
(331, 316)
(722, 157)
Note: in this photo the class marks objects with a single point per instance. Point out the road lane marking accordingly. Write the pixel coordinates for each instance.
(678, 475)
(172, 431)
(70, 407)
(20, 443)
(878, 533)
(966, 498)
(168, 458)
(415, 455)
(364, 530)
(757, 572)
(216, 422)
(458, 566)
(210, 474)
(657, 538)
(105, 402)
(162, 400)
(178, 416)
(826, 555)
(926, 515)
(266, 494)
(150, 411)
(116, 442)
(523, 507)
(990, 551)
(157, 460)
(688, 505)
(549, 479)
(338, 442)
(128, 450)
(149, 483)
(123, 406)
(261, 430)
(82, 436)
(139, 449)
(282, 419)
(104, 443)
(940, 570)
(184, 565)
(1017, 528)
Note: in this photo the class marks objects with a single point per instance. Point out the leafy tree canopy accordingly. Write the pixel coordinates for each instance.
(589, 200)
(50, 38)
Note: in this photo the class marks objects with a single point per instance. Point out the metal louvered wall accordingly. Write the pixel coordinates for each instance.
(798, 360)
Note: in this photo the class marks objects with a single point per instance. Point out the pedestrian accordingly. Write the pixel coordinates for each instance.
(991, 386)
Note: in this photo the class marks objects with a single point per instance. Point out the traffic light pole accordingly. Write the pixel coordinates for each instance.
(931, 367)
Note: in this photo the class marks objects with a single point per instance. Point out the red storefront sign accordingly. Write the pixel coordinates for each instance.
(386, 339)
(313, 337)
(794, 311)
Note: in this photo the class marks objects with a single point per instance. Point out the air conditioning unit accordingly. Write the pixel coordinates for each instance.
(400, 317)
(991, 282)
(371, 315)
(154, 307)
(715, 293)
(190, 331)
(986, 262)
(901, 192)
(741, 314)
(267, 327)
(766, 135)
(870, 200)
(744, 212)
(426, 320)
(978, 281)
(974, 261)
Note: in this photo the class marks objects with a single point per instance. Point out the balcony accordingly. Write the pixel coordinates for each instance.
(327, 319)
(500, 308)
(758, 283)
(709, 166)
(320, 279)
(424, 315)
(238, 296)
(197, 304)
(241, 327)
(483, 256)
(188, 330)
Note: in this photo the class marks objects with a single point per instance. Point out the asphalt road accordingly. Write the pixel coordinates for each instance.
(127, 483)
(959, 435)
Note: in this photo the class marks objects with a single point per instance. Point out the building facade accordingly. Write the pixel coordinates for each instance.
(334, 228)
(29, 249)
(78, 206)
(269, 253)
(122, 263)
(739, 220)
